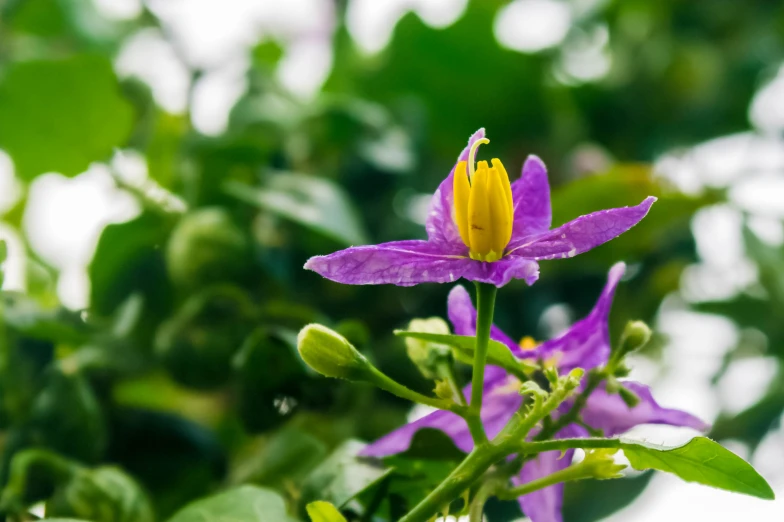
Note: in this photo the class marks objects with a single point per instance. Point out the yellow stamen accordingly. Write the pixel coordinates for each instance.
(479, 217)
(461, 189)
(527, 343)
(484, 211)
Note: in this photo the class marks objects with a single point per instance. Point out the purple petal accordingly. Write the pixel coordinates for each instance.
(581, 234)
(545, 505)
(531, 196)
(586, 344)
(462, 315)
(440, 224)
(402, 263)
(611, 415)
(500, 272)
(499, 404)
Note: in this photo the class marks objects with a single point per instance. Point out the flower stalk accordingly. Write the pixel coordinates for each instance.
(485, 307)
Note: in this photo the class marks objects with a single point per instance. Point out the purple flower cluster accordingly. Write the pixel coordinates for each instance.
(483, 228)
(585, 345)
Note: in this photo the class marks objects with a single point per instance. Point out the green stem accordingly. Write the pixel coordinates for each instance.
(594, 379)
(485, 307)
(464, 475)
(576, 472)
(386, 383)
(532, 448)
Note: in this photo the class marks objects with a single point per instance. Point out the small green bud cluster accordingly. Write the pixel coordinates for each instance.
(600, 464)
(425, 354)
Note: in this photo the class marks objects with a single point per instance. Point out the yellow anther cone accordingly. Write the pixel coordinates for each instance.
(501, 218)
(479, 217)
(484, 211)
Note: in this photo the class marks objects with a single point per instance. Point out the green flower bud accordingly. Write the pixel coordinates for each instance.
(635, 336)
(533, 389)
(601, 465)
(426, 355)
(330, 354)
(572, 380)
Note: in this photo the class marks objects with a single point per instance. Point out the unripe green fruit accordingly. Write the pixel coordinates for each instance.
(207, 247)
(197, 344)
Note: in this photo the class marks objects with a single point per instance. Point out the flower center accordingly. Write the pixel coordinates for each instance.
(483, 206)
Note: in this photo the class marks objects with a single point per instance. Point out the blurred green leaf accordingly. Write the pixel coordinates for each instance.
(67, 417)
(70, 108)
(770, 261)
(284, 459)
(321, 511)
(752, 424)
(497, 353)
(103, 494)
(176, 459)
(700, 460)
(316, 203)
(28, 317)
(129, 259)
(625, 185)
(242, 504)
(342, 476)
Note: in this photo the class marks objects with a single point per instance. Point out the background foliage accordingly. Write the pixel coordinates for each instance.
(180, 379)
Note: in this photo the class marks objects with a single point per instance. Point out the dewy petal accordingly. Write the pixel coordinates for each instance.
(582, 234)
(402, 263)
(545, 504)
(531, 197)
(440, 224)
(586, 344)
(500, 272)
(499, 404)
(611, 415)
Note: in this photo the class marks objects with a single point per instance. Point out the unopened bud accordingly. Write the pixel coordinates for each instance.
(443, 390)
(572, 380)
(635, 336)
(426, 354)
(330, 354)
(533, 389)
(551, 374)
(600, 464)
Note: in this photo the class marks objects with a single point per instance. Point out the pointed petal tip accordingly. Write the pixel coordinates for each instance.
(458, 292)
(617, 271)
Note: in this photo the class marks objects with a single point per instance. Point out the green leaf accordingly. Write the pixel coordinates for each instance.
(342, 476)
(61, 115)
(498, 353)
(284, 459)
(129, 259)
(313, 202)
(700, 460)
(321, 511)
(243, 504)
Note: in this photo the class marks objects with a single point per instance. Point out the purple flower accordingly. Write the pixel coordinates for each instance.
(482, 228)
(586, 344)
